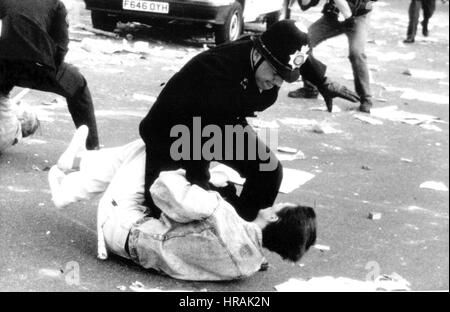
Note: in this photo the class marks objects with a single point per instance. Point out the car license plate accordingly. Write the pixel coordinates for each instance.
(146, 6)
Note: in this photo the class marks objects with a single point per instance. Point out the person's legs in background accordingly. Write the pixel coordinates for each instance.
(413, 12)
(428, 7)
(324, 28)
(357, 37)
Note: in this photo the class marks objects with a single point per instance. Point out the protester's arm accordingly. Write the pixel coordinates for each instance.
(182, 201)
(59, 31)
(344, 8)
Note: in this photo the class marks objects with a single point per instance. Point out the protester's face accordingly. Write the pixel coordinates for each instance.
(266, 77)
(270, 213)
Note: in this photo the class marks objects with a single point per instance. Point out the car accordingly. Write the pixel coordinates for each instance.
(226, 17)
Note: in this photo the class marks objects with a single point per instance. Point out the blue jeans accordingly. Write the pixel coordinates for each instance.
(328, 27)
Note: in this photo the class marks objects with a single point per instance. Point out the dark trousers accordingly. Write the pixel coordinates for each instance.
(259, 190)
(328, 27)
(428, 7)
(67, 82)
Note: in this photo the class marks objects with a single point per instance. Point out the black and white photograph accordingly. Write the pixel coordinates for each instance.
(239, 147)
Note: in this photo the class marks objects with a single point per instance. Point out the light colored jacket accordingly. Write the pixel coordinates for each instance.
(10, 128)
(199, 236)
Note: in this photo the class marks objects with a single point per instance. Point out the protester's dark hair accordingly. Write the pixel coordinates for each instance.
(292, 234)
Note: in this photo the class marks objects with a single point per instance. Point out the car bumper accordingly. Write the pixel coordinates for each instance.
(183, 11)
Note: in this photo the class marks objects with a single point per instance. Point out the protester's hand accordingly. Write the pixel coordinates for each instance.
(329, 90)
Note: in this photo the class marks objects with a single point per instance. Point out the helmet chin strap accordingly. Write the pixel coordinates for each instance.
(258, 63)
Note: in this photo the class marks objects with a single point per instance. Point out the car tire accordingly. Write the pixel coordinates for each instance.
(103, 21)
(233, 27)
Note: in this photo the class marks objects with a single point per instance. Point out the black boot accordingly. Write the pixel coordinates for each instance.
(425, 28)
(365, 106)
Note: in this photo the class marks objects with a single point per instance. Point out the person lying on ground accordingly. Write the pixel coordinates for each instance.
(199, 236)
(16, 122)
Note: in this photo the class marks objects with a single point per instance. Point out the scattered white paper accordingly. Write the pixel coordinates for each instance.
(143, 97)
(139, 287)
(393, 282)
(431, 127)
(290, 157)
(292, 178)
(258, 123)
(285, 149)
(411, 94)
(325, 128)
(335, 109)
(432, 185)
(368, 120)
(393, 56)
(394, 114)
(298, 122)
(322, 247)
(424, 74)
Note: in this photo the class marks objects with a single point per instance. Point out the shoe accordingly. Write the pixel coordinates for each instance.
(55, 177)
(424, 29)
(408, 40)
(76, 146)
(365, 106)
(304, 93)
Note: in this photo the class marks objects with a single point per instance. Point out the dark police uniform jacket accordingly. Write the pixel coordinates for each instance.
(217, 85)
(34, 31)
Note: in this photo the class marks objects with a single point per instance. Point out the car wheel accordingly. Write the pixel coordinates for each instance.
(103, 21)
(233, 27)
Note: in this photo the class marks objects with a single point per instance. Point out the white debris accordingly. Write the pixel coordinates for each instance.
(392, 113)
(432, 185)
(139, 287)
(431, 127)
(121, 288)
(325, 128)
(258, 123)
(143, 97)
(292, 178)
(368, 120)
(392, 282)
(50, 273)
(300, 122)
(335, 109)
(375, 215)
(411, 94)
(393, 56)
(407, 160)
(290, 157)
(289, 150)
(424, 74)
(322, 247)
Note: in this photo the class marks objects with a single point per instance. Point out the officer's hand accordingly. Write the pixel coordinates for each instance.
(329, 90)
(348, 23)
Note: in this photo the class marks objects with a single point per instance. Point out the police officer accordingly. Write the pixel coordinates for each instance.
(33, 43)
(222, 87)
(355, 27)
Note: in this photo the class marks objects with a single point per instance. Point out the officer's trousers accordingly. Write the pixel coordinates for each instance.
(67, 82)
(262, 171)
